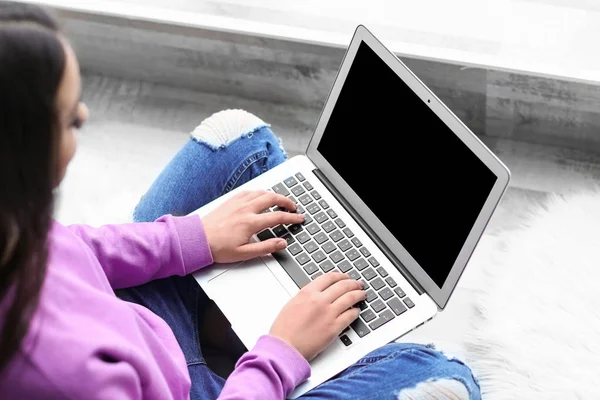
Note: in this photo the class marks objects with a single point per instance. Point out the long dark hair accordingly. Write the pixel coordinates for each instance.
(32, 61)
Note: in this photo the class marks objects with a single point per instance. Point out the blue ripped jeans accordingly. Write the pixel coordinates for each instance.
(219, 158)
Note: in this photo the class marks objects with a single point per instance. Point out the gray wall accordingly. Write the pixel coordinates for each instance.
(493, 104)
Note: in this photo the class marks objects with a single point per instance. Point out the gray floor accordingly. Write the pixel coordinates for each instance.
(136, 127)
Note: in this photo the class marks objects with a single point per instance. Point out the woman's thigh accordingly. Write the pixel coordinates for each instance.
(402, 372)
(227, 150)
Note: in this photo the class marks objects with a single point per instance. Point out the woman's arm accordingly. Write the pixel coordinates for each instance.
(270, 371)
(133, 254)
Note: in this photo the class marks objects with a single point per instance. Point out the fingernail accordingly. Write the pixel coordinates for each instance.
(282, 244)
(302, 216)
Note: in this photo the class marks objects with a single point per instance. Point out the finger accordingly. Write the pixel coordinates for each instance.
(348, 300)
(251, 250)
(335, 291)
(276, 218)
(346, 318)
(268, 200)
(326, 280)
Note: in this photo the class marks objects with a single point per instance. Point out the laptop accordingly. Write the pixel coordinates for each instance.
(397, 192)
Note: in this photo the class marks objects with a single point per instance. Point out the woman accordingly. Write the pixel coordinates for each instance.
(64, 332)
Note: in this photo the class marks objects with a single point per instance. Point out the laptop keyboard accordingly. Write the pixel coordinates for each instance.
(323, 243)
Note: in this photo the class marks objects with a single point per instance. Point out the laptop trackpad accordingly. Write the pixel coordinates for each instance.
(250, 297)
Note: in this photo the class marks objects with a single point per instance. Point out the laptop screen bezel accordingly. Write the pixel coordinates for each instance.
(439, 295)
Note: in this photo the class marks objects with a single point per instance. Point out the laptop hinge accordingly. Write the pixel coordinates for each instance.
(399, 266)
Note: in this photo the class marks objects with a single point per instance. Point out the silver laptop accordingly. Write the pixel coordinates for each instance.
(397, 192)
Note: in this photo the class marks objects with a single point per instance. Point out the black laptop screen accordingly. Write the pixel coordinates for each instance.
(422, 182)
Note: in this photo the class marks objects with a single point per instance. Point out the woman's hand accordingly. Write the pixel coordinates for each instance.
(230, 226)
(319, 313)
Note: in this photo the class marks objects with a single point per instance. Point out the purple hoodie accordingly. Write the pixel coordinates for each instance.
(84, 342)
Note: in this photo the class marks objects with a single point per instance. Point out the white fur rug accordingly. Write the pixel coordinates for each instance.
(537, 335)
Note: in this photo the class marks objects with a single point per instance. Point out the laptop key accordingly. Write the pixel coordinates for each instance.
(321, 237)
(313, 228)
(361, 264)
(348, 232)
(308, 186)
(362, 305)
(382, 272)
(374, 261)
(331, 214)
(365, 252)
(300, 177)
(344, 245)
(311, 268)
(409, 303)
(340, 223)
(336, 257)
(357, 242)
(290, 266)
(321, 217)
(316, 195)
(384, 318)
(298, 191)
(368, 315)
(365, 284)
(288, 238)
(328, 226)
(360, 328)
(354, 274)
(328, 247)
(265, 235)
(291, 181)
(336, 236)
(307, 220)
(326, 266)
(313, 208)
(352, 255)
(371, 295)
(386, 293)
(319, 256)
(294, 249)
(377, 283)
(303, 258)
(390, 281)
(305, 199)
(323, 204)
(345, 266)
(303, 237)
(396, 305)
(295, 229)
(369, 274)
(280, 189)
(346, 340)
(399, 292)
(377, 305)
(315, 276)
(280, 230)
(311, 247)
